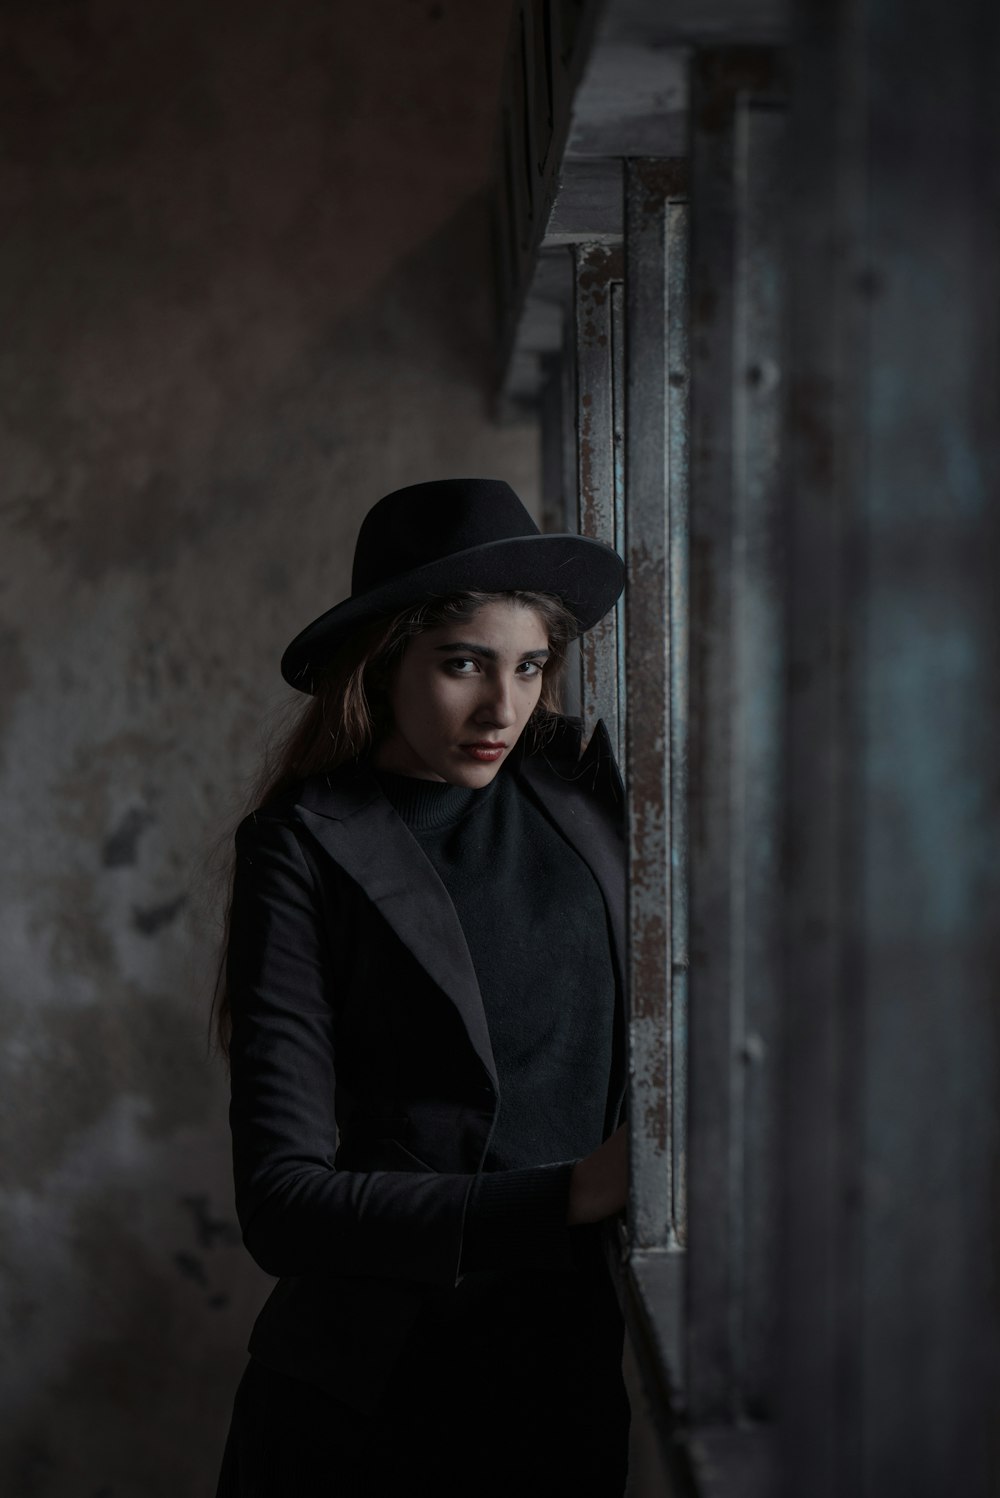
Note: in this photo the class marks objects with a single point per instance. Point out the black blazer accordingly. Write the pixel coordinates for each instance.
(364, 1089)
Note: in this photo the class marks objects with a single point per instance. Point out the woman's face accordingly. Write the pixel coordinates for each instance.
(457, 685)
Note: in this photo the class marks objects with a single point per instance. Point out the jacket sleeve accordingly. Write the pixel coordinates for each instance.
(299, 1214)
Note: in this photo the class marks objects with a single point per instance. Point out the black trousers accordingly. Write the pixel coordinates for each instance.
(514, 1389)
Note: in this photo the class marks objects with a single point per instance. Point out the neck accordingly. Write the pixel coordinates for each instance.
(424, 803)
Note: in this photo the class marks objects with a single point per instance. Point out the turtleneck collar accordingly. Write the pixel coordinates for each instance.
(425, 804)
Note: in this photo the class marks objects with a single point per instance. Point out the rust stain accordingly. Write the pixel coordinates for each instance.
(649, 944)
(586, 465)
(651, 1080)
(590, 669)
(660, 181)
(595, 268)
(654, 1113)
(724, 74)
(649, 854)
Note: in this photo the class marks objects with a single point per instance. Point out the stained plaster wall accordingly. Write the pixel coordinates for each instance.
(243, 294)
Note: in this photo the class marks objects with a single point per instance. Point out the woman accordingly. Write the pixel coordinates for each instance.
(423, 1010)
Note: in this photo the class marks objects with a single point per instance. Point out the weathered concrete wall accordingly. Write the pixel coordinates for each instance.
(243, 294)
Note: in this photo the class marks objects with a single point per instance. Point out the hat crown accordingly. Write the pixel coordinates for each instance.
(423, 523)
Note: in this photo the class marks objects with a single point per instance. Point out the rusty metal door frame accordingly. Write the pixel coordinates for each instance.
(600, 407)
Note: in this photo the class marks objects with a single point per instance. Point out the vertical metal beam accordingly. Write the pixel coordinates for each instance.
(618, 480)
(599, 383)
(736, 733)
(656, 518)
(573, 681)
(557, 409)
(571, 478)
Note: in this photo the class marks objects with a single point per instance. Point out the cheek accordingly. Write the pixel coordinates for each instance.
(434, 701)
(535, 691)
(454, 699)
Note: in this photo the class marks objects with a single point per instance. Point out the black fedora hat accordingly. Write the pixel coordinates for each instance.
(429, 540)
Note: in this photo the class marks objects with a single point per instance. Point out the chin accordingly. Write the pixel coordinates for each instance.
(472, 774)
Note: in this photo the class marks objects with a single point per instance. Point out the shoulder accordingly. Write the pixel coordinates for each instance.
(277, 811)
(592, 770)
(274, 828)
(338, 790)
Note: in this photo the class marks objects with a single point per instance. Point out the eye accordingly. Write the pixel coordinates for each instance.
(457, 661)
(534, 668)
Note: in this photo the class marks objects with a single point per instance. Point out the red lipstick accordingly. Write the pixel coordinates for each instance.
(486, 751)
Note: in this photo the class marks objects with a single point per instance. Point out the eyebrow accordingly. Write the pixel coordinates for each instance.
(490, 655)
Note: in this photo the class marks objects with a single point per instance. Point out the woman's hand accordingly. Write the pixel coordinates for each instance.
(598, 1186)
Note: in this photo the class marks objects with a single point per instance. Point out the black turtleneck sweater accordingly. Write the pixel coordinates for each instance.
(536, 927)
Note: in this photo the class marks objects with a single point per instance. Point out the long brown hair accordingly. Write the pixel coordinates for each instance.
(348, 713)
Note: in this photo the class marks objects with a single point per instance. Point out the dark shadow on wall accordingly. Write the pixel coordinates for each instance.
(438, 303)
(430, 320)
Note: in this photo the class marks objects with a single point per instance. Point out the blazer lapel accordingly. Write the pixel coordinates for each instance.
(354, 822)
(592, 824)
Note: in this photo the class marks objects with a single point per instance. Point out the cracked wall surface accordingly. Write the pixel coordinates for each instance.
(244, 293)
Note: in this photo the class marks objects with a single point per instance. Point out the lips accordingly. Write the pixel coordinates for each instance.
(486, 752)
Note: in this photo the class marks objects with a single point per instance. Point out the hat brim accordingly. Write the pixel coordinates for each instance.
(586, 575)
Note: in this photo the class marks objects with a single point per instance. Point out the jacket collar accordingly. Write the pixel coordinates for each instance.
(353, 821)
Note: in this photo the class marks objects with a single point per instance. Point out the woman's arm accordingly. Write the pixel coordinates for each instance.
(521, 1217)
(299, 1214)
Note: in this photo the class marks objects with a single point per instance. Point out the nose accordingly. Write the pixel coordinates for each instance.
(497, 705)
